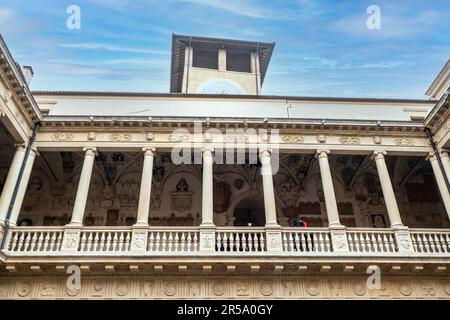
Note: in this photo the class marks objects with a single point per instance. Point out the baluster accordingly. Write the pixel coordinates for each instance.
(420, 242)
(178, 241)
(426, 242)
(29, 241)
(195, 242)
(326, 241)
(60, 239)
(431, 243)
(158, 242)
(317, 242)
(297, 244)
(437, 245)
(183, 242)
(95, 241)
(51, 243)
(151, 239)
(225, 243)
(284, 241)
(350, 241)
(83, 241)
(414, 242)
(302, 243)
(231, 241)
(262, 241)
(356, 240)
(164, 241)
(380, 242)
(21, 241)
(250, 239)
(375, 243)
(116, 241)
(119, 245)
(291, 241)
(445, 242)
(392, 242)
(14, 241)
(44, 241)
(171, 241)
(255, 242)
(237, 241)
(189, 242)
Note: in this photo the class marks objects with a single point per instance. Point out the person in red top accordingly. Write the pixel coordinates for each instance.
(299, 222)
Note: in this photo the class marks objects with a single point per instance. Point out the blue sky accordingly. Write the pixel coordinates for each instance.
(323, 48)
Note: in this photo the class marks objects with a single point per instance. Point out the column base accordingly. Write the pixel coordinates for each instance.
(339, 239)
(273, 238)
(139, 238)
(71, 239)
(207, 238)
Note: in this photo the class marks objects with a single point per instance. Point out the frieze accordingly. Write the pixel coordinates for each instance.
(256, 287)
(404, 141)
(62, 136)
(349, 140)
(293, 139)
(120, 137)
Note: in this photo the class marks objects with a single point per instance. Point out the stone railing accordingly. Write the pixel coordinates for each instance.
(302, 240)
(227, 241)
(162, 239)
(433, 241)
(105, 239)
(365, 240)
(235, 240)
(35, 239)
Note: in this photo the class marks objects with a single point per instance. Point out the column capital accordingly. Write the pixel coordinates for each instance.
(379, 154)
(149, 151)
(207, 149)
(34, 151)
(265, 152)
(20, 146)
(431, 156)
(322, 153)
(90, 151)
(444, 153)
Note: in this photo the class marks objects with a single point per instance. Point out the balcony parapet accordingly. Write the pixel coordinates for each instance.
(226, 241)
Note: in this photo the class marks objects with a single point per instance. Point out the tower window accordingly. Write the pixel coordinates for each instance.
(206, 58)
(238, 60)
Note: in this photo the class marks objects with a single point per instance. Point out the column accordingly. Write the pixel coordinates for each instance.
(440, 181)
(146, 187)
(388, 191)
(446, 163)
(338, 232)
(139, 237)
(22, 187)
(273, 229)
(83, 187)
(328, 189)
(10, 183)
(268, 191)
(207, 227)
(207, 188)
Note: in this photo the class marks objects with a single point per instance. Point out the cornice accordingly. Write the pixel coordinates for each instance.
(14, 76)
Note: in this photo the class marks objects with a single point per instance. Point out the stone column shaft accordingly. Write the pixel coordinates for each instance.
(328, 189)
(83, 187)
(10, 183)
(439, 176)
(388, 191)
(146, 187)
(268, 190)
(446, 163)
(207, 188)
(22, 187)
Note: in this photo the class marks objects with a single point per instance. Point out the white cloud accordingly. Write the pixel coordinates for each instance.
(108, 47)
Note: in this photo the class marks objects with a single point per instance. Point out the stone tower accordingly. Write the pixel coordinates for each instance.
(218, 66)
